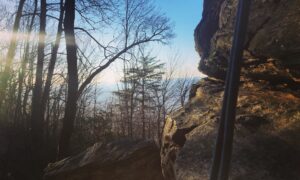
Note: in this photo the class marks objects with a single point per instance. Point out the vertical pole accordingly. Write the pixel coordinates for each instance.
(222, 156)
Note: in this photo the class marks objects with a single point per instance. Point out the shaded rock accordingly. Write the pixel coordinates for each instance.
(272, 44)
(266, 143)
(117, 160)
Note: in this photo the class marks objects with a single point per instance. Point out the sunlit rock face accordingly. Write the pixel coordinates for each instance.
(266, 141)
(273, 39)
(116, 160)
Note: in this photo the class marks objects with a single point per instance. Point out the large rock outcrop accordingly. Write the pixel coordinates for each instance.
(272, 45)
(266, 142)
(267, 130)
(116, 160)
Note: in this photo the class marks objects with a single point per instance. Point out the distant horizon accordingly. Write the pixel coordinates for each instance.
(106, 88)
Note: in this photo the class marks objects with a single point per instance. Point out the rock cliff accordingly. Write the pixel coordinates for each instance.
(267, 130)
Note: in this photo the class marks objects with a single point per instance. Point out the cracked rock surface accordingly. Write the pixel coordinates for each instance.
(266, 142)
(115, 160)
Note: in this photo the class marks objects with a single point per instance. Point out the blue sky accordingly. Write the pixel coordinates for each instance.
(185, 14)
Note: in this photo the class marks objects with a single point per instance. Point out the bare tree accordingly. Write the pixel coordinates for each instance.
(144, 25)
(22, 71)
(51, 91)
(11, 52)
(71, 103)
(36, 121)
(36, 114)
(53, 59)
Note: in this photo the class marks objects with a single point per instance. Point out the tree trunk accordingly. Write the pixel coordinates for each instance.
(71, 103)
(158, 123)
(36, 123)
(131, 111)
(28, 89)
(143, 109)
(18, 110)
(53, 58)
(11, 52)
(36, 120)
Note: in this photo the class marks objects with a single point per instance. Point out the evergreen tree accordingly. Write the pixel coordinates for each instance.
(141, 80)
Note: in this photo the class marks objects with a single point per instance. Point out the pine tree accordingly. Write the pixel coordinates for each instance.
(141, 80)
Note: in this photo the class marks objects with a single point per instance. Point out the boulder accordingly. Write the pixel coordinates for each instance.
(117, 160)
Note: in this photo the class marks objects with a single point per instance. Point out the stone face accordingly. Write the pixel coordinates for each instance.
(266, 142)
(117, 160)
(273, 34)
